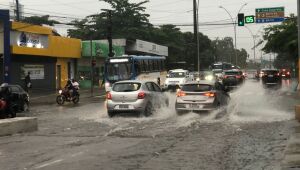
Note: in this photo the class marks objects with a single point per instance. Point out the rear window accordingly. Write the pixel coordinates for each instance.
(196, 87)
(126, 87)
(232, 73)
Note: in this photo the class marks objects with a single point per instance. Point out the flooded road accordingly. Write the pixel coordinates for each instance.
(250, 133)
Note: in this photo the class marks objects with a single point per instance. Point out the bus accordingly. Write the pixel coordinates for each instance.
(147, 68)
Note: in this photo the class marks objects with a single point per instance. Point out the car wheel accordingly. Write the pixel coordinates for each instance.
(12, 113)
(148, 110)
(167, 103)
(110, 114)
(25, 106)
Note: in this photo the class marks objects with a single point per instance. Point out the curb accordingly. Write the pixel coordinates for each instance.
(18, 125)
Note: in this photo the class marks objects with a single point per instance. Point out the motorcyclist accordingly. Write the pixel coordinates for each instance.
(69, 86)
(75, 85)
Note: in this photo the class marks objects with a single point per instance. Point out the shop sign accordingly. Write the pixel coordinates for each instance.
(30, 40)
(36, 71)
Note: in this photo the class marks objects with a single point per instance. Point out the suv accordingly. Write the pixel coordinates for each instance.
(232, 78)
(176, 79)
(271, 77)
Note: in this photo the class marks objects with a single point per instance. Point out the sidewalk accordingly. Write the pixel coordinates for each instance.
(292, 152)
(44, 97)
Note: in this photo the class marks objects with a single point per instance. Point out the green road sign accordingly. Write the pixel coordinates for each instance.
(277, 9)
(249, 19)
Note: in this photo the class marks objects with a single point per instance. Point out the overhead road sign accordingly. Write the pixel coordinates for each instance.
(266, 15)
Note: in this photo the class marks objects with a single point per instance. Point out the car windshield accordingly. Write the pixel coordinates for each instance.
(119, 71)
(196, 87)
(126, 87)
(177, 74)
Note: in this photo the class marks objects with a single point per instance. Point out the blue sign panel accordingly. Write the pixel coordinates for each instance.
(267, 20)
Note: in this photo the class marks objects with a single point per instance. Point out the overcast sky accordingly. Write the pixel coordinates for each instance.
(169, 12)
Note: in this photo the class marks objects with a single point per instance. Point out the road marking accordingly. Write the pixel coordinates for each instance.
(48, 164)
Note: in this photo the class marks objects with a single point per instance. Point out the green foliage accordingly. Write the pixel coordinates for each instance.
(283, 40)
(37, 20)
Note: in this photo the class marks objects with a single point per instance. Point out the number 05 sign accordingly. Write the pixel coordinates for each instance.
(249, 19)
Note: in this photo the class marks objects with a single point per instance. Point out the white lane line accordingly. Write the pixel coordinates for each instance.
(48, 164)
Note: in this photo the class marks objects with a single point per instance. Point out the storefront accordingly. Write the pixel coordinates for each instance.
(93, 59)
(50, 59)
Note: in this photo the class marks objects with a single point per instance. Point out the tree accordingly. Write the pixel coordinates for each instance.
(37, 20)
(282, 39)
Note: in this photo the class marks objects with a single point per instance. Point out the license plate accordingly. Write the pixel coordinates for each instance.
(270, 76)
(196, 106)
(123, 106)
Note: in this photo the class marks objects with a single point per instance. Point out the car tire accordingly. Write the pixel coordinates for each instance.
(148, 110)
(110, 114)
(25, 106)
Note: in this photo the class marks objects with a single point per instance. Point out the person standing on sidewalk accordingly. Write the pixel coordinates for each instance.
(27, 82)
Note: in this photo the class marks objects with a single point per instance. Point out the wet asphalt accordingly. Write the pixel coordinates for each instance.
(250, 133)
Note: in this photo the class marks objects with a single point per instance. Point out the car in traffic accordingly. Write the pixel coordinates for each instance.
(19, 99)
(271, 78)
(132, 96)
(204, 75)
(176, 79)
(285, 73)
(233, 78)
(201, 96)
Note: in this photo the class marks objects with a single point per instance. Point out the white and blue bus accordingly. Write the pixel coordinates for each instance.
(149, 68)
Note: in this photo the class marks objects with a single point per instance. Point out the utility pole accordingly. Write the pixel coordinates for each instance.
(92, 66)
(109, 34)
(17, 10)
(195, 33)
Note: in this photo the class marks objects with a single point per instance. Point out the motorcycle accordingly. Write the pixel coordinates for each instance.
(65, 96)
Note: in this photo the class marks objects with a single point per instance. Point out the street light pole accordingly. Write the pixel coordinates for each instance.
(254, 43)
(234, 27)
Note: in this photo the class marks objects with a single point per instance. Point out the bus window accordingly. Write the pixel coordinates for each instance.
(146, 64)
(150, 65)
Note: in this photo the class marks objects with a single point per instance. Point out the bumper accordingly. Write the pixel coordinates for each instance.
(138, 106)
(192, 106)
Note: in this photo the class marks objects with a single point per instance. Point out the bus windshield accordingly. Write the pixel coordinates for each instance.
(118, 71)
(177, 75)
(217, 66)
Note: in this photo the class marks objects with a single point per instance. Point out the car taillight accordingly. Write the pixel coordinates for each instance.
(141, 95)
(2, 104)
(108, 96)
(238, 77)
(209, 94)
(288, 73)
(225, 77)
(180, 93)
(278, 74)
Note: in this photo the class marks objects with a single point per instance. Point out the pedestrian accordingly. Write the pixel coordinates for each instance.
(27, 82)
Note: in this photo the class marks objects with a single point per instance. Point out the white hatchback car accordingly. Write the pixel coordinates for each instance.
(201, 96)
(135, 96)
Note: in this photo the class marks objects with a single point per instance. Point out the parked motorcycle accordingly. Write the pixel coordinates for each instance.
(66, 96)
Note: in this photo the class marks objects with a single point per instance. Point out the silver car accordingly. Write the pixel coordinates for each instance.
(135, 96)
(201, 96)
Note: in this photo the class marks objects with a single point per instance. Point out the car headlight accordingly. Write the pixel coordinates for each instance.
(210, 77)
(60, 91)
